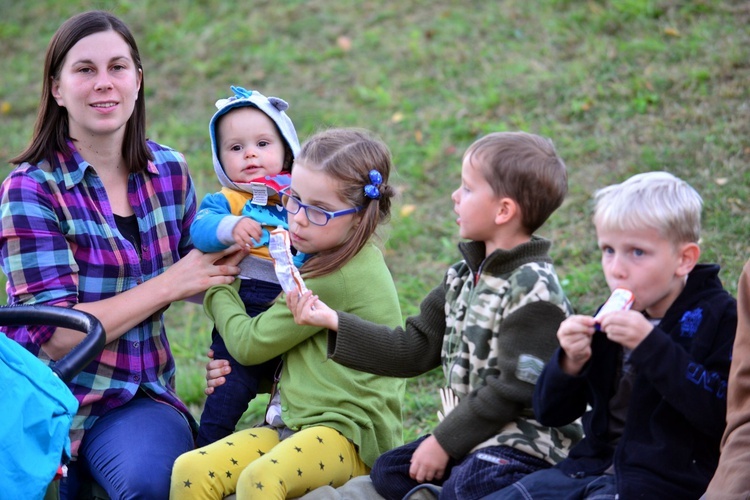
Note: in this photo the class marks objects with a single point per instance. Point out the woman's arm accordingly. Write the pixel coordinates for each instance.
(189, 276)
(42, 228)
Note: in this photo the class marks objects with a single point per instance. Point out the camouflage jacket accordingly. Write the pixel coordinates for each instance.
(492, 323)
(502, 315)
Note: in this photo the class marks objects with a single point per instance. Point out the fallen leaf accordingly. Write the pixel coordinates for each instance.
(5, 108)
(418, 136)
(721, 181)
(671, 31)
(344, 43)
(397, 117)
(407, 210)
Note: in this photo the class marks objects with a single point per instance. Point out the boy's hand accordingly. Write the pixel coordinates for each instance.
(574, 335)
(428, 461)
(309, 310)
(627, 328)
(245, 231)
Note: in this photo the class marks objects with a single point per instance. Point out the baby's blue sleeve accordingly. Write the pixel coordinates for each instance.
(300, 259)
(205, 229)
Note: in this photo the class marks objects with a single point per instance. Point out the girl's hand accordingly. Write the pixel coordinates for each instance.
(215, 371)
(309, 310)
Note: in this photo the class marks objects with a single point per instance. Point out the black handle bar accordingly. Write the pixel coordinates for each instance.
(81, 355)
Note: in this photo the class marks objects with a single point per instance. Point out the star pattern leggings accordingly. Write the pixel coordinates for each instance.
(255, 464)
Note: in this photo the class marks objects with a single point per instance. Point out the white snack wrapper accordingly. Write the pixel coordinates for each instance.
(620, 300)
(287, 273)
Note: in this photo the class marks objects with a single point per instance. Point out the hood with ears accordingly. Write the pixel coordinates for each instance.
(273, 107)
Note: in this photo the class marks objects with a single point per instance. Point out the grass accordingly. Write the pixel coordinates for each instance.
(620, 86)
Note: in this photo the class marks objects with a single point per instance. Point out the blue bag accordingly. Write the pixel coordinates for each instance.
(36, 407)
(36, 411)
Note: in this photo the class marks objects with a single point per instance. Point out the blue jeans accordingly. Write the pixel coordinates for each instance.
(227, 404)
(130, 451)
(471, 478)
(553, 484)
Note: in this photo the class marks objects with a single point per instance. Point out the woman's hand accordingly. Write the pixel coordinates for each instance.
(215, 371)
(196, 272)
(309, 310)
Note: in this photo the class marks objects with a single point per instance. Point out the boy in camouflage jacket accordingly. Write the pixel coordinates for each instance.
(490, 324)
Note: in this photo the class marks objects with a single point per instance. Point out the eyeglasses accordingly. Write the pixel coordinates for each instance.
(315, 215)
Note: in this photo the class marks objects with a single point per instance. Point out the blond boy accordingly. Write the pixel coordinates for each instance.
(654, 376)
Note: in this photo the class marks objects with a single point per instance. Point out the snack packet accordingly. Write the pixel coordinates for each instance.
(279, 247)
(450, 401)
(620, 300)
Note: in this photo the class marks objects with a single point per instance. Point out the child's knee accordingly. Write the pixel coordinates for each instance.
(261, 479)
(184, 464)
(189, 479)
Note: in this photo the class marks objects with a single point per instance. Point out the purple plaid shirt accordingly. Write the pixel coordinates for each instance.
(60, 245)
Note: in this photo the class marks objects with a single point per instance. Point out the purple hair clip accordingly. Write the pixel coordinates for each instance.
(371, 190)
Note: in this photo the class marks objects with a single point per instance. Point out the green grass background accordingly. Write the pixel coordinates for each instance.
(620, 86)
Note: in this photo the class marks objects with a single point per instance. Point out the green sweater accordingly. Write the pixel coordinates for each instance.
(314, 390)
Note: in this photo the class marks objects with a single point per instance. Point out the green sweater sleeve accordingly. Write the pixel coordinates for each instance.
(394, 352)
(253, 340)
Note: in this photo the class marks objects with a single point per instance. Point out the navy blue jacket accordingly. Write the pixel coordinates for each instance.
(670, 444)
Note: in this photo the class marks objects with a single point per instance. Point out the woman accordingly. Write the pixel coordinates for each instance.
(95, 217)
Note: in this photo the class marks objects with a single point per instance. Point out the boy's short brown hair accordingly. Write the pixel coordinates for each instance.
(526, 168)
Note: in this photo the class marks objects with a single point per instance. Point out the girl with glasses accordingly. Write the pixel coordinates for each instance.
(327, 423)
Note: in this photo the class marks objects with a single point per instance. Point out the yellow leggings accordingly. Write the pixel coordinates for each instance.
(255, 464)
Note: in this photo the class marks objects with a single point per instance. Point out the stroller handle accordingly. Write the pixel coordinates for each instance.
(81, 355)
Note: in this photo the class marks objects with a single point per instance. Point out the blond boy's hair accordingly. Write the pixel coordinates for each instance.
(656, 200)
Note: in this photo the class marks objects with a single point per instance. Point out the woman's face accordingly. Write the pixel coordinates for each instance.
(98, 86)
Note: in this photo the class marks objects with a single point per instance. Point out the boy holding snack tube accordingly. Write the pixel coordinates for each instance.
(650, 381)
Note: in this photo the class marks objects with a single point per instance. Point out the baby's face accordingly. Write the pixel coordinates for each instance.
(644, 262)
(248, 145)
